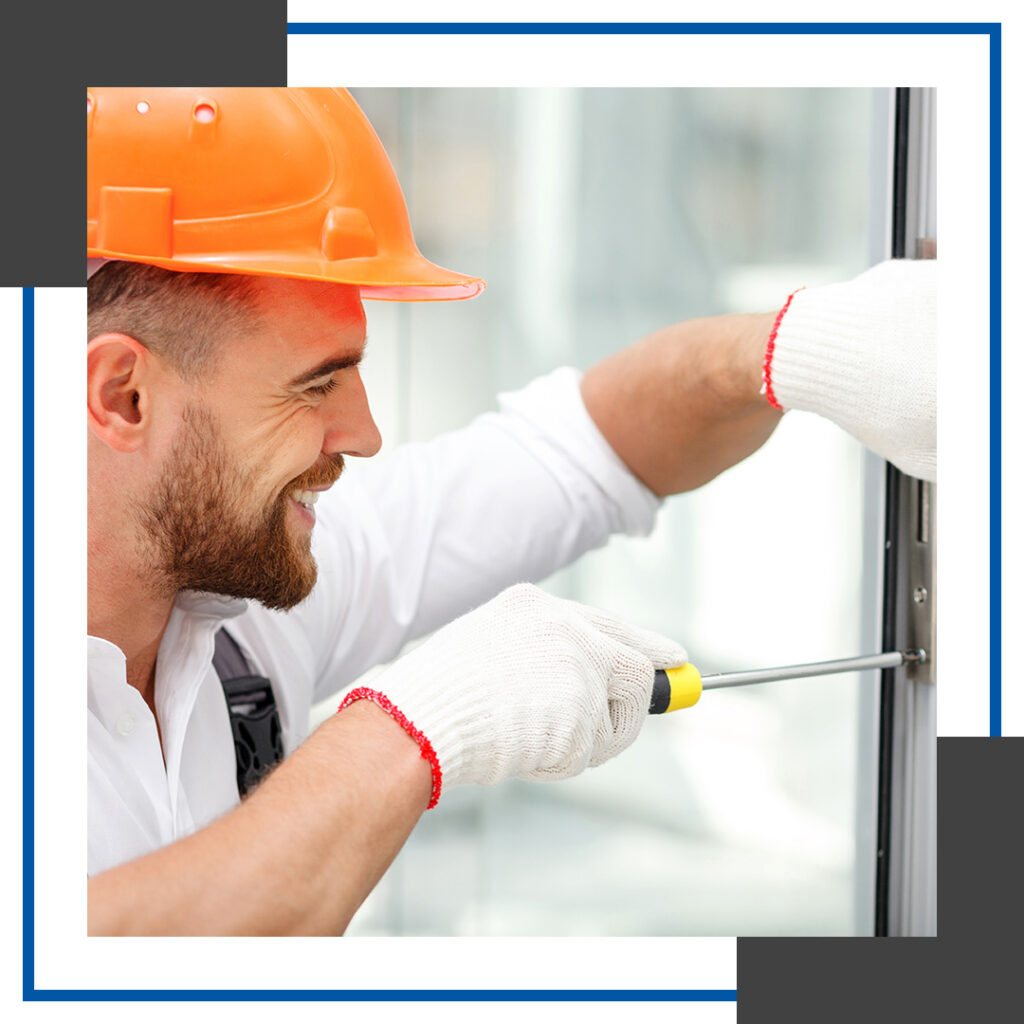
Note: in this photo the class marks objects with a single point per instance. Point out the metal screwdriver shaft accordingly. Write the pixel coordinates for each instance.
(891, 659)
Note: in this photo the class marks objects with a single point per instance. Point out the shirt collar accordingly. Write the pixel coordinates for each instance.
(210, 606)
(107, 663)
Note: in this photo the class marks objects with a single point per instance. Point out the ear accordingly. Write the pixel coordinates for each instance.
(117, 390)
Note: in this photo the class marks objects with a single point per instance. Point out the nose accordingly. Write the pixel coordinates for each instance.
(349, 427)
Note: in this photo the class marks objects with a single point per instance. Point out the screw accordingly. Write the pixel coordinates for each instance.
(920, 595)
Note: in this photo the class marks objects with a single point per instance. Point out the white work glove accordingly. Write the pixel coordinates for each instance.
(862, 353)
(527, 686)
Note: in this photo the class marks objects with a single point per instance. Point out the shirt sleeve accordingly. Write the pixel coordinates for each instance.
(407, 545)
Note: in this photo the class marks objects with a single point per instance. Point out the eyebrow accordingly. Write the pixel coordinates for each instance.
(324, 369)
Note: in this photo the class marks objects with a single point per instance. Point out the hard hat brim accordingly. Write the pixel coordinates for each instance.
(377, 277)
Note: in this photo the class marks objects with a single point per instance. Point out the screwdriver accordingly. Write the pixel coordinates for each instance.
(681, 687)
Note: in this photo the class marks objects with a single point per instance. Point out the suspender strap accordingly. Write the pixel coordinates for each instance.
(252, 708)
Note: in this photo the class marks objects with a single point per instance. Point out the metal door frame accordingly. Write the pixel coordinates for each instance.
(906, 839)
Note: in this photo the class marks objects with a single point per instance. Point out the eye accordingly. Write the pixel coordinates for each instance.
(323, 389)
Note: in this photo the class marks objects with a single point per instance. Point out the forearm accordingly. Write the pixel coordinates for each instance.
(298, 857)
(683, 404)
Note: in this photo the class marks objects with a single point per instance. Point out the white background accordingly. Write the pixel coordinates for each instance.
(958, 67)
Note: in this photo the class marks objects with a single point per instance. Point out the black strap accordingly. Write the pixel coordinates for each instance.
(252, 708)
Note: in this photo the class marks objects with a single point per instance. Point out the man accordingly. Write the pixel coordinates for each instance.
(241, 229)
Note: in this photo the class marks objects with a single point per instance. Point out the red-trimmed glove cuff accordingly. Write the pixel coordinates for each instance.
(426, 747)
(766, 368)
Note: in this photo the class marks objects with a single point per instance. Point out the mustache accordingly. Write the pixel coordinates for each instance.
(323, 473)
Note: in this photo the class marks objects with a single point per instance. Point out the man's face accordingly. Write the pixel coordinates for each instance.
(231, 511)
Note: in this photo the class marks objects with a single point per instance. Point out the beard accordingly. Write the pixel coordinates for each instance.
(203, 538)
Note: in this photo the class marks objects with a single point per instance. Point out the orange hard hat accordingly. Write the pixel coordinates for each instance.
(286, 182)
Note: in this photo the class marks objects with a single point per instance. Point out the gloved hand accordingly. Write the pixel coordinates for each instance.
(527, 686)
(862, 353)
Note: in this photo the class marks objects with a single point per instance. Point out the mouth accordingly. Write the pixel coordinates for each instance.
(306, 489)
(303, 502)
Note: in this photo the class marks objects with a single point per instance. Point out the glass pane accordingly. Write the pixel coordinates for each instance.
(597, 216)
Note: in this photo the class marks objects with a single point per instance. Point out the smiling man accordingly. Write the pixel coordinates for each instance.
(233, 235)
(251, 423)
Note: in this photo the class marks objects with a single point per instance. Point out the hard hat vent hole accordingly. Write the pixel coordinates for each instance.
(204, 113)
(142, 107)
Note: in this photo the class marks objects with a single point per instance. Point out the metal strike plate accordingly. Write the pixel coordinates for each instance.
(925, 249)
(921, 579)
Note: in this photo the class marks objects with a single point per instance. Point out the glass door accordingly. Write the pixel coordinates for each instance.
(597, 216)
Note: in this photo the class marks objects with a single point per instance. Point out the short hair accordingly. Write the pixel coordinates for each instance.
(181, 317)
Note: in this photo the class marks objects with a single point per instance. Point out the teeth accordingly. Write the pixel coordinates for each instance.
(307, 498)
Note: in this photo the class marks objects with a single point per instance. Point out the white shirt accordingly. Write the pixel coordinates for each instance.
(402, 548)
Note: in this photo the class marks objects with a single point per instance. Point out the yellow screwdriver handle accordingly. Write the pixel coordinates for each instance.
(675, 688)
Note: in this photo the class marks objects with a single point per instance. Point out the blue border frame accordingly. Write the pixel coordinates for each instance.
(635, 28)
(995, 497)
(28, 637)
(30, 993)
(372, 995)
